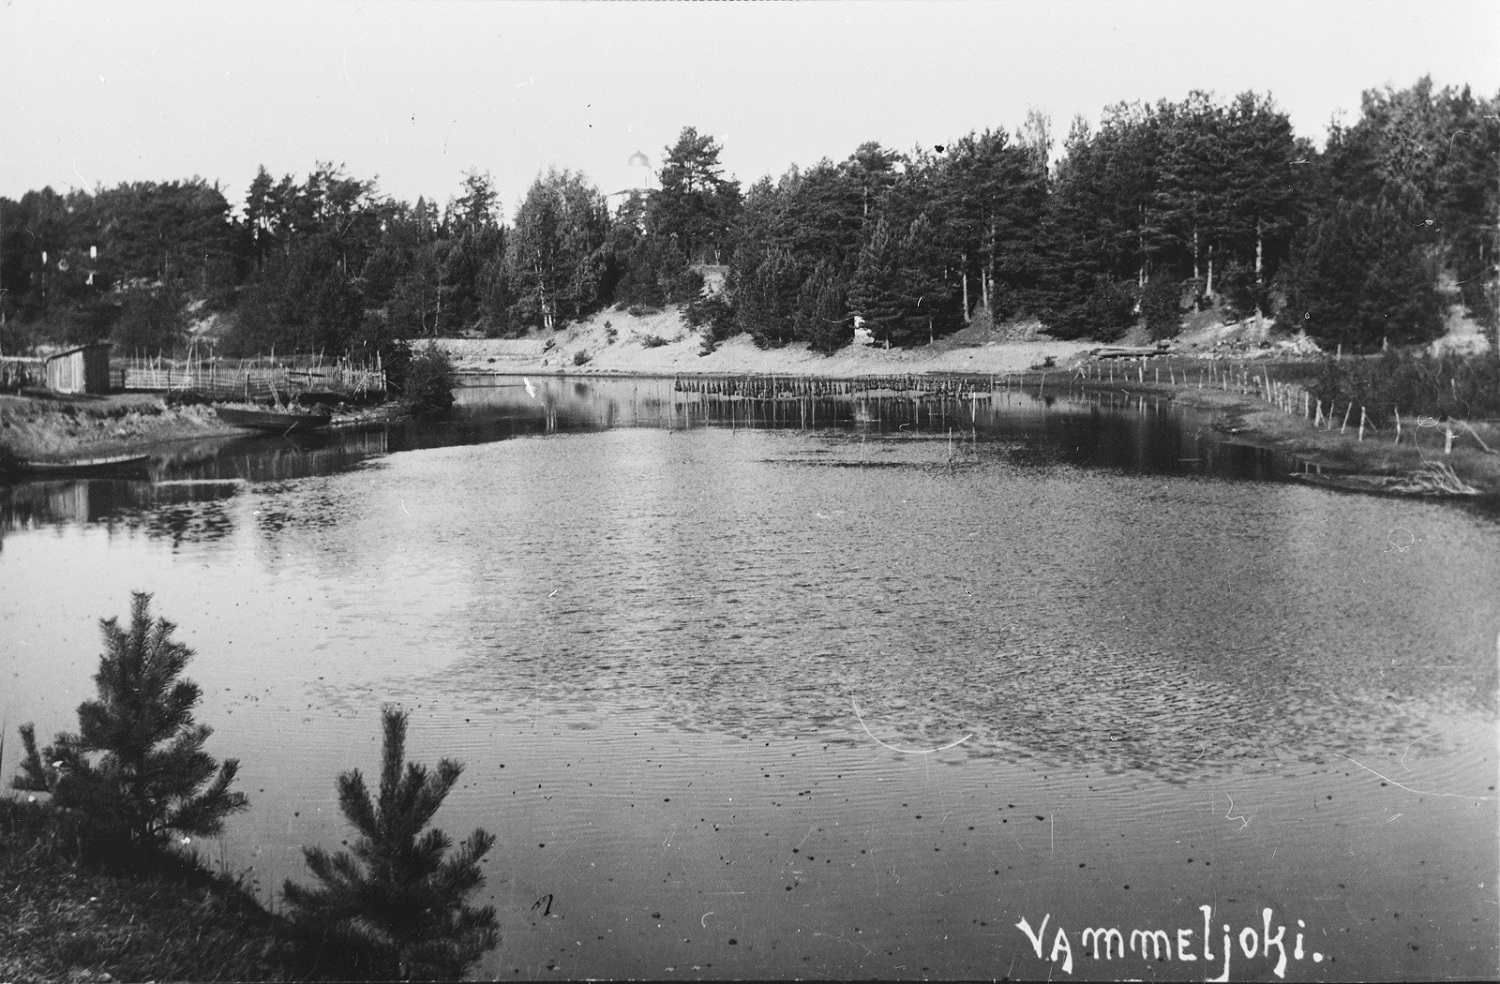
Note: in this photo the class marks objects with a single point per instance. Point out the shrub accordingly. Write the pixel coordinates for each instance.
(712, 311)
(1241, 293)
(148, 778)
(1103, 311)
(653, 341)
(430, 380)
(396, 908)
(581, 357)
(1160, 308)
(1413, 384)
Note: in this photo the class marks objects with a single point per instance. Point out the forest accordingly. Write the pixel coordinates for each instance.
(1159, 211)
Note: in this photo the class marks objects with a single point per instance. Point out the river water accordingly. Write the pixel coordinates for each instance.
(881, 687)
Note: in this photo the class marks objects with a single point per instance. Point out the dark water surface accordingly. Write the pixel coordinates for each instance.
(830, 688)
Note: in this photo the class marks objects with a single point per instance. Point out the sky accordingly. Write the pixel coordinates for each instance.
(416, 94)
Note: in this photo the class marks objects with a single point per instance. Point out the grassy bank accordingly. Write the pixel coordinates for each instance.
(65, 916)
(1308, 409)
(1414, 385)
(59, 428)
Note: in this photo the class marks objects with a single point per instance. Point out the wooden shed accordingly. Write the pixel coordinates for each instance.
(80, 370)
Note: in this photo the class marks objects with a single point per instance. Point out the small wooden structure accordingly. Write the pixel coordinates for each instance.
(84, 369)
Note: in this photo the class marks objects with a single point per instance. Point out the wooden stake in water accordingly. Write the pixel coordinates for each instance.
(1347, 412)
(1361, 423)
(1398, 425)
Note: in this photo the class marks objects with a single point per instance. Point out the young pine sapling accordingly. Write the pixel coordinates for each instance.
(136, 770)
(396, 907)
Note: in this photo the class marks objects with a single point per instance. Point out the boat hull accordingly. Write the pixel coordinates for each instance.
(114, 466)
(270, 420)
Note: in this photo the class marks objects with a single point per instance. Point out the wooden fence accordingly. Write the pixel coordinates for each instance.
(248, 379)
(17, 372)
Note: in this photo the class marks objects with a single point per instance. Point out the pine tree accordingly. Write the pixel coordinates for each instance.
(396, 907)
(696, 206)
(822, 319)
(875, 293)
(767, 297)
(148, 779)
(1360, 276)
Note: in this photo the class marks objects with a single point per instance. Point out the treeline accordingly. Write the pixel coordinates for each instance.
(1162, 210)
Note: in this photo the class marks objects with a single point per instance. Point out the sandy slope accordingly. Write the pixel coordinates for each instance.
(629, 352)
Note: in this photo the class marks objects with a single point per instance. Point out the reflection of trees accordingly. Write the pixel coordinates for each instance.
(176, 512)
(194, 522)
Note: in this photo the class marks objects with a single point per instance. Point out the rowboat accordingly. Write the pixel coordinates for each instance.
(273, 420)
(115, 465)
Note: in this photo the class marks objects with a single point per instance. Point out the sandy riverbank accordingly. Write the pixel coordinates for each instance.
(659, 344)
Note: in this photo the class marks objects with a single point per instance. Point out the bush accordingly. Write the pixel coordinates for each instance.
(150, 319)
(653, 341)
(711, 311)
(395, 908)
(1242, 295)
(150, 772)
(429, 381)
(1415, 384)
(1160, 308)
(1104, 312)
(582, 357)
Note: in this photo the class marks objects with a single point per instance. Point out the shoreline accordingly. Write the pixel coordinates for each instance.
(61, 429)
(1252, 421)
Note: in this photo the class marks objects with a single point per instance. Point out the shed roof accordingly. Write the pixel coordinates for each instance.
(78, 348)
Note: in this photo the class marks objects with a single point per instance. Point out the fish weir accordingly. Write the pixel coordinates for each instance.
(904, 401)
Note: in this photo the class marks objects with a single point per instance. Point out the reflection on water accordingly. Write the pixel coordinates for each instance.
(677, 635)
(1093, 429)
(171, 510)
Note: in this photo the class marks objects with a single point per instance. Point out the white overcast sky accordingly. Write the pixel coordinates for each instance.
(416, 93)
